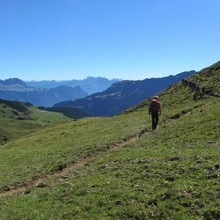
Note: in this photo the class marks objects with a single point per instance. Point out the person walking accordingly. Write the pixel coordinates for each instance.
(154, 111)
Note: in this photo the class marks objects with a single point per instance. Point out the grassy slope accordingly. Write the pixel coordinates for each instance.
(18, 119)
(209, 79)
(170, 173)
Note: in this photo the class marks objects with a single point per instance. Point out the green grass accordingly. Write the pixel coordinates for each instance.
(43, 151)
(209, 79)
(21, 119)
(170, 173)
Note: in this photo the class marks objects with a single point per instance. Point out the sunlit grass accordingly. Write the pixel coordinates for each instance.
(15, 124)
(170, 173)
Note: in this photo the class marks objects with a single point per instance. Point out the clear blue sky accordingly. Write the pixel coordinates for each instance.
(126, 39)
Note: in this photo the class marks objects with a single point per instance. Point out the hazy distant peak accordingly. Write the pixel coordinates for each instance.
(12, 81)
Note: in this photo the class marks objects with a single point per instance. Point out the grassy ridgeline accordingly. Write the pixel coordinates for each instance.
(172, 172)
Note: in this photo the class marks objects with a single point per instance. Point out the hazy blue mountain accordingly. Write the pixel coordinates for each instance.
(122, 95)
(13, 81)
(17, 90)
(90, 85)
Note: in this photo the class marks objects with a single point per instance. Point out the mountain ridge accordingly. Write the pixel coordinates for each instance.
(122, 95)
(41, 97)
(90, 84)
(47, 93)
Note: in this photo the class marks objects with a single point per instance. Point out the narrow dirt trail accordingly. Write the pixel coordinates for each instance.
(41, 180)
(83, 161)
(46, 114)
(71, 167)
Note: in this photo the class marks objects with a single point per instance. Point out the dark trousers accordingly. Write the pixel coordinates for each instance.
(155, 119)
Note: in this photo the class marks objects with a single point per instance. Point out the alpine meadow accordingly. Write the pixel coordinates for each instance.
(53, 167)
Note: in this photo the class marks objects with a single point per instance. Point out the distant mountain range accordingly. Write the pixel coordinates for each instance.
(89, 85)
(115, 95)
(122, 95)
(47, 93)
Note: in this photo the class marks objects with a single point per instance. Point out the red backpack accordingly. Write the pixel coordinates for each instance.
(154, 106)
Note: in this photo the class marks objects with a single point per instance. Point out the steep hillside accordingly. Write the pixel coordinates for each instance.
(178, 96)
(117, 168)
(209, 79)
(122, 95)
(19, 118)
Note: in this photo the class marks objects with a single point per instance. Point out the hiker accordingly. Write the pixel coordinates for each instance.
(154, 111)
